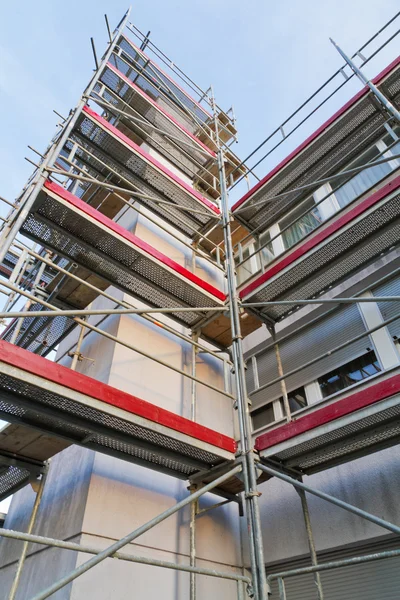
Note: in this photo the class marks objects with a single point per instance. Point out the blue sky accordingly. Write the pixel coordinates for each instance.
(264, 57)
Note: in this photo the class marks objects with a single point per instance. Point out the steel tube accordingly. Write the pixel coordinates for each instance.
(77, 352)
(86, 549)
(31, 525)
(107, 552)
(282, 376)
(120, 302)
(322, 301)
(371, 135)
(369, 287)
(332, 499)
(281, 589)
(377, 93)
(249, 472)
(119, 341)
(313, 96)
(106, 311)
(335, 564)
(318, 182)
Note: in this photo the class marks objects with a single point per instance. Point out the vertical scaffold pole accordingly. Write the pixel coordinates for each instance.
(249, 468)
(31, 525)
(31, 193)
(285, 396)
(193, 506)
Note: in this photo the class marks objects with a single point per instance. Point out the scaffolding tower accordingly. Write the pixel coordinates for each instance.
(99, 163)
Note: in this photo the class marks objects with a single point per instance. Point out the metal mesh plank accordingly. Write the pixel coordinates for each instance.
(134, 99)
(352, 438)
(187, 222)
(73, 235)
(347, 138)
(100, 138)
(145, 82)
(89, 426)
(12, 479)
(336, 259)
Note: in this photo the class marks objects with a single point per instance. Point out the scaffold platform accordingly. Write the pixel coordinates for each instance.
(328, 150)
(346, 243)
(40, 394)
(103, 148)
(71, 228)
(122, 92)
(348, 427)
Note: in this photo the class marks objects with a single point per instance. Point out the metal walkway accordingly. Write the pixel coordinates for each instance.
(354, 425)
(346, 243)
(67, 225)
(77, 409)
(104, 149)
(340, 139)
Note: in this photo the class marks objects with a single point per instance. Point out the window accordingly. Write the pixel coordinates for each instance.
(362, 181)
(265, 414)
(299, 225)
(356, 370)
(267, 253)
(250, 264)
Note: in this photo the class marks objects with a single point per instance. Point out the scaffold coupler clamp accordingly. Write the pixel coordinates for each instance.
(250, 590)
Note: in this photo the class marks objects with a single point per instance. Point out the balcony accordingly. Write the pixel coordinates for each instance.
(338, 248)
(351, 424)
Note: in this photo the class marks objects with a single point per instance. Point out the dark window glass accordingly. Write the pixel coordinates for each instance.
(356, 370)
(265, 415)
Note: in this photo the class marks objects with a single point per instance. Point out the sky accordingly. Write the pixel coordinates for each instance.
(263, 57)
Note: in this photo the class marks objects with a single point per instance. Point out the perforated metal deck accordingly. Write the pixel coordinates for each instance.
(72, 228)
(350, 241)
(352, 426)
(343, 137)
(103, 144)
(57, 401)
(125, 95)
(153, 80)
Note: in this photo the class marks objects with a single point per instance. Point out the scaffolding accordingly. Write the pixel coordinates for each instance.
(101, 164)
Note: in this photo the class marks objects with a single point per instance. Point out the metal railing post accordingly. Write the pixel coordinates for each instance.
(31, 193)
(285, 397)
(281, 589)
(341, 503)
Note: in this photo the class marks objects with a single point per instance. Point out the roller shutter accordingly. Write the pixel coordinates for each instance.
(378, 580)
(344, 324)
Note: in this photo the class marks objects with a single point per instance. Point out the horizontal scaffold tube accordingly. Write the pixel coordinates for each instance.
(111, 550)
(38, 300)
(47, 541)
